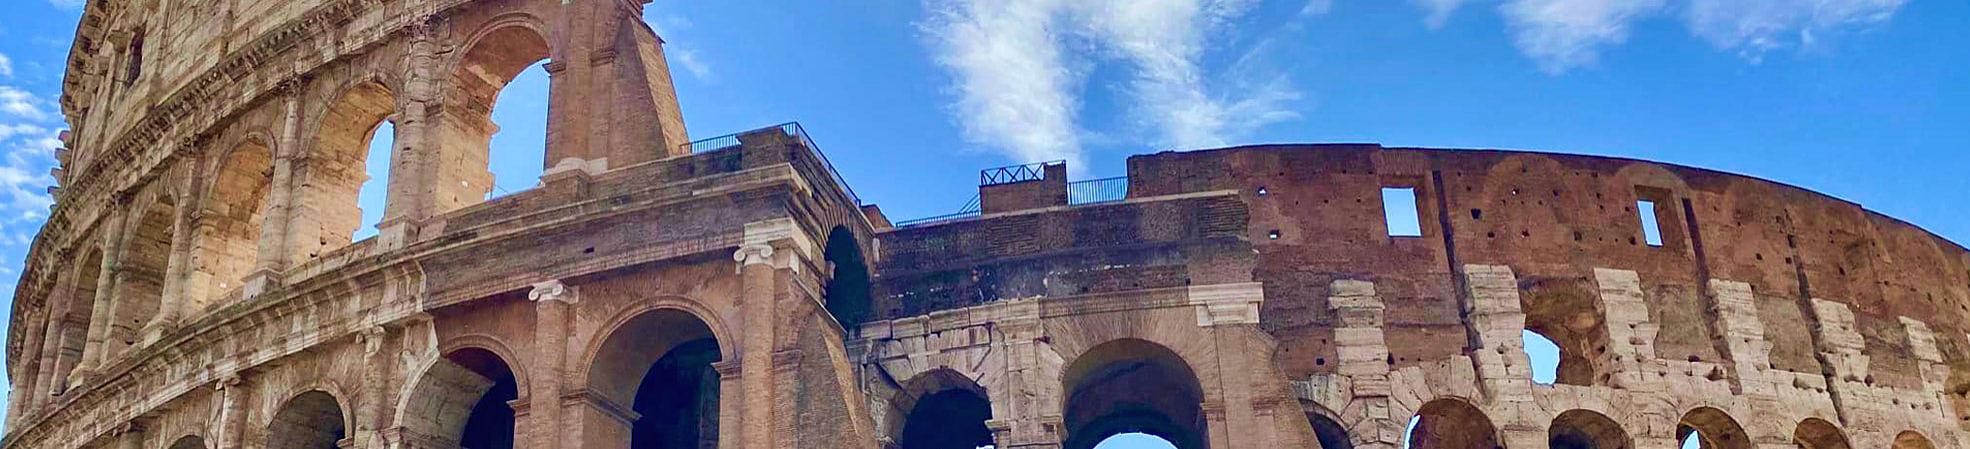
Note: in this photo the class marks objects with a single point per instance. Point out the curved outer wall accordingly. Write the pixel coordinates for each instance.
(195, 285)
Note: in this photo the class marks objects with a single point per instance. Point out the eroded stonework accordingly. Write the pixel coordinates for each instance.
(196, 287)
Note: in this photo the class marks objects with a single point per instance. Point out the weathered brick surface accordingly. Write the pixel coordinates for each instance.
(195, 286)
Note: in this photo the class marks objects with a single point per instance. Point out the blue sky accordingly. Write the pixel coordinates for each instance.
(1861, 99)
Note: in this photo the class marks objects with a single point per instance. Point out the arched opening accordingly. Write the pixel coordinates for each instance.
(1710, 428)
(847, 292)
(1912, 440)
(660, 363)
(1326, 430)
(1567, 313)
(1544, 356)
(69, 333)
(328, 209)
(941, 409)
(490, 425)
(464, 397)
(1450, 424)
(189, 442)
(499, 97)
(1132, 386)
(1815, 433)
(312, 420)
(1135, 441)
(374, 194)
(230, 225)
(1585, 429)
(142, 264)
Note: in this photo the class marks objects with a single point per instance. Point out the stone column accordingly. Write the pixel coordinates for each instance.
(1229, 313)
(232, 414)
(1842, 349)
(179, 264)
(1363, 354)
(1491, 303)
(369, 406)
(730, 423)
(757, 342)
(553, 304)
(99, 315)
(415, 150)
(1030, 392)
(274, 244)
(130, 435)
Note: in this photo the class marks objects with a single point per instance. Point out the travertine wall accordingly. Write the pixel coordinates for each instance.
(196, 286)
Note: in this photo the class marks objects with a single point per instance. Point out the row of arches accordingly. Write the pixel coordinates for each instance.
(192, 238)
(1456, 424)
(1125, 393)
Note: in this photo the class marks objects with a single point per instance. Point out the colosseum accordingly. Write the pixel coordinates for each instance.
(196, 288)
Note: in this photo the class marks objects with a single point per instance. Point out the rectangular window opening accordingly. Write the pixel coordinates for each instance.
(1651, 231)
(1399, 208)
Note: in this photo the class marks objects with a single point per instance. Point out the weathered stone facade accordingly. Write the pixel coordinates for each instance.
(196, 288)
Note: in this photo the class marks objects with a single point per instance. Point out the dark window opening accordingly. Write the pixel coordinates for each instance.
(847, 296)
(1399, 210)
(133, 62)
(677, 402)
(490, 425)
(949, 419)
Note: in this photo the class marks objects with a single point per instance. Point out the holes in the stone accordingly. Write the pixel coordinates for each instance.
(1477, 214)
(1544, 355)
(1263, 191)
(1272, 235)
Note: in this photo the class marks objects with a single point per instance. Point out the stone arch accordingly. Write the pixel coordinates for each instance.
(1713, 429)
(654, 371)
(142, 263)
(1132, 386)
(324, 214)
(497, 53)
(1327, 428)
(847, 293)
(311, 420)
(1910, 439)
(189, 442)
(940, 409)
(1586, 429)
(231, 219)
(463, 398)
(68, 331)
(1568, 312)
(1451, 423)
(1815, 433)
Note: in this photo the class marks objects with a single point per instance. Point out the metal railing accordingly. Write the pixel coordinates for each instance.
(1096, 191)
(793, 129)
(971, 209)
(1015, 173)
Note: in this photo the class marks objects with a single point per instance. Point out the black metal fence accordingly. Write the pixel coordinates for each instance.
(1015, 173)
(793, 129)
(1096, 191)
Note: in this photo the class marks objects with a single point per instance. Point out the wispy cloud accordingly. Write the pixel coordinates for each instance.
(1436, 13)
(21, 104)
(6, 66)
(1014, 92)
(1561, 35)
(1017, 94)
(1316, 8)
(688, 57)
(1754, 27)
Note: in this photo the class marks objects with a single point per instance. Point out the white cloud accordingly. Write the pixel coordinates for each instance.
(1019, 94)
(1437, 12)
(688, 57)
(1317, 8)
(6, 66)
(1565, 34)
(1754, 27)
(1014, 92)
(20, 103)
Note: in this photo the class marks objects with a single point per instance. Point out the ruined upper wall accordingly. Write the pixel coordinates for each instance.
(1315, 215)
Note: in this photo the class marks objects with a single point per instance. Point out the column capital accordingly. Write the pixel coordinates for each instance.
(727, 369)
(552, 290)
(753, 254)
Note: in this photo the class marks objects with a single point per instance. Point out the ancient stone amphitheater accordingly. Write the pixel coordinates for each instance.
(196, 286)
